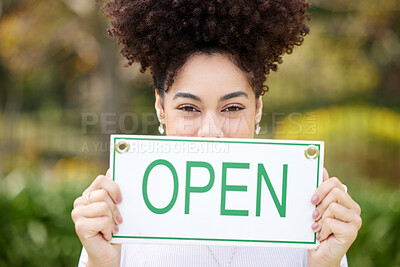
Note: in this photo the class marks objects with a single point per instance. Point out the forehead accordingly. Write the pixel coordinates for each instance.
(210, 75)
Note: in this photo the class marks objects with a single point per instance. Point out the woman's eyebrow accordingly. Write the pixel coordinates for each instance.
(232, 95)
(187, 95)
(223, 98)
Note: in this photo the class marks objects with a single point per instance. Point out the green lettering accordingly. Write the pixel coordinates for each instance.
(145, 182)
(225, 187)
(190, 189)
(280, 207)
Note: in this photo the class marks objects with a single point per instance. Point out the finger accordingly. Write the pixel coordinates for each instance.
(335, 196)
(85, 199)
(88, 228)
(335, 211)
(341, 230)
(97, 209)
(100, 196)
(79, 201)
(107, 229)
(93, 211)
(115, 230)
(325, 188)
(104, 182)
(108, 174)
(94, 196)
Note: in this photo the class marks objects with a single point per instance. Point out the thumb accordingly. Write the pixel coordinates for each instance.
(325, 176)
(108, 173)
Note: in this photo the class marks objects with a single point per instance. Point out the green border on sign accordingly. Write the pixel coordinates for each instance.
(215, 239)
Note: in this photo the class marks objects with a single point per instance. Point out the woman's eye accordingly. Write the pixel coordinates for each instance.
(233, 108)
(188, 109)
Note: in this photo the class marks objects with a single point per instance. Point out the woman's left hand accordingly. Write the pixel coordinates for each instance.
(337, 219)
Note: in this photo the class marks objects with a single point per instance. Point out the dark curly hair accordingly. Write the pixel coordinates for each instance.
(163, 34)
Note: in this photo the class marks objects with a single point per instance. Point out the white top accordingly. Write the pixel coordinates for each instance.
(210, 256)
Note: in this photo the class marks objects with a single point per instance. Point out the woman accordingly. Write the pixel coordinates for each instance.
(209, 61)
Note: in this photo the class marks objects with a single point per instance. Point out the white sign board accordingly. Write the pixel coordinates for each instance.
(216, 191)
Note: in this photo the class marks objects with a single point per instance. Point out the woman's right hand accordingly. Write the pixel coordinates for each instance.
(97, 219)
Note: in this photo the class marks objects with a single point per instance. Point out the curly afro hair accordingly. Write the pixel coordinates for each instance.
(163, 34)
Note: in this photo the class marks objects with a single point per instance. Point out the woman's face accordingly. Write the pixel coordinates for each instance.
(210, 97)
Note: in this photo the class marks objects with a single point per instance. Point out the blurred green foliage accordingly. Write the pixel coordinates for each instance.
(37, 230)
(377, 243)
(64, 90)
(36, 227)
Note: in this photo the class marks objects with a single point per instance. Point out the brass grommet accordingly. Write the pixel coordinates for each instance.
(312, 152)
(121, 147)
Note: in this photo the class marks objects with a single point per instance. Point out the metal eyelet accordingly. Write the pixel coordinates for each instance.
(121, 147)
(312, 152)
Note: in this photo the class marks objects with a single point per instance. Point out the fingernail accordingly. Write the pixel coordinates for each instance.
(314, 199)
(314, 226)
(119, 218)
(108, 237)
(315, 214)
(116, 228)
(318, 236)
(119, 199)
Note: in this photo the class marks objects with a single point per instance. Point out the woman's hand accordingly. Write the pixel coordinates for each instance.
(337, 219)
(96, 218)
